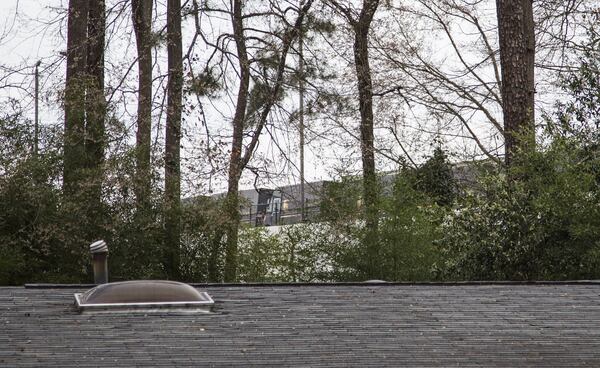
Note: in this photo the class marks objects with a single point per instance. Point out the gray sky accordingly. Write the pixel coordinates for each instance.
(34, 30)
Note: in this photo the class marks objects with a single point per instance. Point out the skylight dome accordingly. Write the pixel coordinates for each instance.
(144, 294)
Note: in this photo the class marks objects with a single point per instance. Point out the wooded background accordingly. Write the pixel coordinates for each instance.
(154, 105)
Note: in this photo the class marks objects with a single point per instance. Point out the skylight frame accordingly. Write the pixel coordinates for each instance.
(200, 306)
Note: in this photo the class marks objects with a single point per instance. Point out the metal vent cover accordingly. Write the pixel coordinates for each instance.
(144, 295)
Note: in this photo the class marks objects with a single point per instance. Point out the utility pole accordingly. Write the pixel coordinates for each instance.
(301, 115)
(36, 126)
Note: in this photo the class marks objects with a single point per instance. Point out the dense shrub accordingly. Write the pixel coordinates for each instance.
(408, 227)
(544, 226)
(435, 178)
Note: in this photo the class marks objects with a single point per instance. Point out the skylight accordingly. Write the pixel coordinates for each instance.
(144, 295)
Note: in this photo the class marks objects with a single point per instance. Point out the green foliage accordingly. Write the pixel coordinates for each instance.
(580, 116)
(435, 178)
(31, 237)
(260, 256)
(307, 252)
(341, 200)
(318, 24)
(545, 226)
(546, 223)
(261, 94)
(409, 228)
(205, 84)
(44, 237)
(134, 236)
(326, 251)
(312, 252)
(409, 222)
(200, 238)
(32, 215)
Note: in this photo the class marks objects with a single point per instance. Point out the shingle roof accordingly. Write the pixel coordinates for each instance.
(467, 325)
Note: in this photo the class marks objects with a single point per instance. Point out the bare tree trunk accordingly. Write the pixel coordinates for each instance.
(301, 122)
(142, 25)
(232, 211)
(95, 115)
(74, 135)
(238, 159)
(529, 32)
(214, 258)
(173, 141)
(361, 25)
(361, 28)
(517, 54)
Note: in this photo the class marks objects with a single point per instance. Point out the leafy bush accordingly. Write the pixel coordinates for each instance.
(544, 226)
(409, 228)
(260, 256)
(435, 178)
(33, 221)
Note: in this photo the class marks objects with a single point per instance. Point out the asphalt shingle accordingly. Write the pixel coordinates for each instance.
(468, 325)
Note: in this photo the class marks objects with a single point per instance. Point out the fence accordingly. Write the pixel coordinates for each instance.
(258, 216)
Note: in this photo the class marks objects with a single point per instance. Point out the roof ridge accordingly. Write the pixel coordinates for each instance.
(351, 283)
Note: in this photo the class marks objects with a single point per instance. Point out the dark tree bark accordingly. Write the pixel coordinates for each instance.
(173, 141)
(74, 135)
(517, 54)
(365, 94)
(529, 32)
(96, 100)
(361, 25)
(142, 25)
(231, 205)
(95, 113)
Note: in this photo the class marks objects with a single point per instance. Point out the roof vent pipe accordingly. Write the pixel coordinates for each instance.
(99, 251)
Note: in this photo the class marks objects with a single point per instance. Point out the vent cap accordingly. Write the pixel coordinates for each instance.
(99, 247)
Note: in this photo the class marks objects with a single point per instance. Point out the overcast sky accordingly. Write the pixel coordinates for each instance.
(35, 30)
